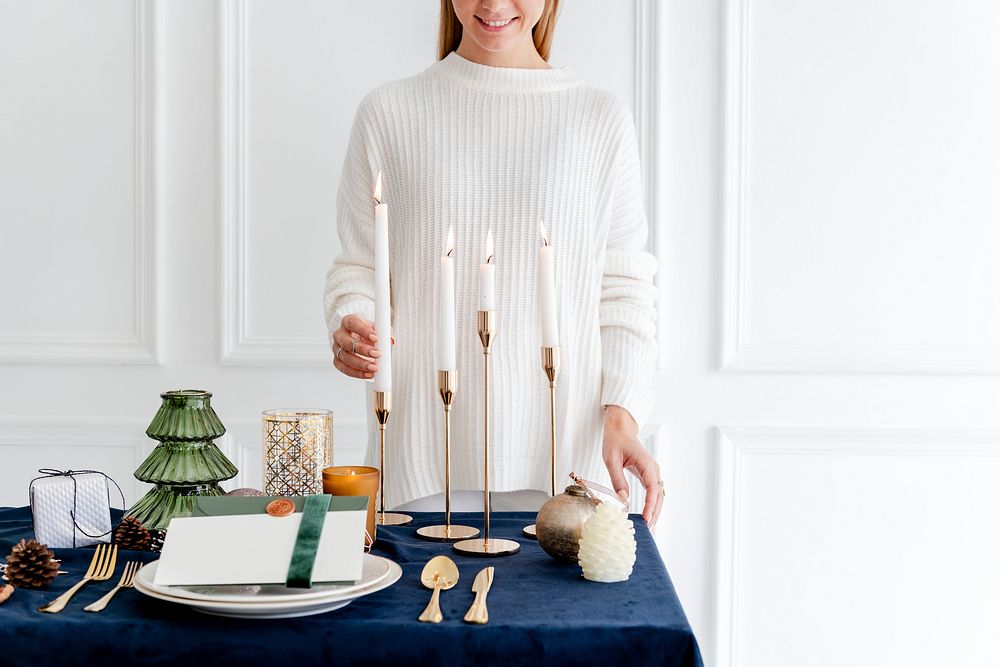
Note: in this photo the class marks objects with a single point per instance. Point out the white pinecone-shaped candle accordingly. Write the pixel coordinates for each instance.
(607, 544)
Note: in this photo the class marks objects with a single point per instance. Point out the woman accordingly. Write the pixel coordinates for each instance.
(491, 137)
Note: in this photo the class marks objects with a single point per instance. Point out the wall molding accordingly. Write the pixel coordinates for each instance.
(239, 348)
(648, 87)
(736, 443)
(243, 444)
(85, 433)
(141, 346)
(740, 355)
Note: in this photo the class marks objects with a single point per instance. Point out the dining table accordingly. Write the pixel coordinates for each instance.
(541, 611)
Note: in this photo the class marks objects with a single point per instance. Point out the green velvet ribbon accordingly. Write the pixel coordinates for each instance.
(307, 541)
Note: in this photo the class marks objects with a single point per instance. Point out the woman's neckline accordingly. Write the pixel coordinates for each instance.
(503, 79)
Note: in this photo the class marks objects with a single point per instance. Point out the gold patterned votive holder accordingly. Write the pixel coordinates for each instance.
(298, 444)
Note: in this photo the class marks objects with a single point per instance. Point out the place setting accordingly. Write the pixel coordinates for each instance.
(308, 558)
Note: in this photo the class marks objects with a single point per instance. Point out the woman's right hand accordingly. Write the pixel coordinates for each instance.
(354, 353)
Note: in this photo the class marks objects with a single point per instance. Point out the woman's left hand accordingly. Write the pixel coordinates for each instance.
(623, 451)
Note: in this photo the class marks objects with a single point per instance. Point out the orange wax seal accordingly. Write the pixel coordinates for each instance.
(280, 507)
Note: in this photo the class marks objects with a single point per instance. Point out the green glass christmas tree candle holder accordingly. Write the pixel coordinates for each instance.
(186, 464)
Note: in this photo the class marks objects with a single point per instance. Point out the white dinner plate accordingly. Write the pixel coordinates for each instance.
(286, 608)
(374, 569)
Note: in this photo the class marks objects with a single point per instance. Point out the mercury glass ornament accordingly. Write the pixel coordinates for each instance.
(607, 545)
(560, 520)
(186, 464)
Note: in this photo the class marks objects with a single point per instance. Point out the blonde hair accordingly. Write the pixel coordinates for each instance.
(450, 32)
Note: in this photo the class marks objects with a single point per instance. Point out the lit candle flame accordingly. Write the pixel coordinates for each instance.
(449, 246)
(489, 247)
(352, 471)
(541, 231)
(377, 195)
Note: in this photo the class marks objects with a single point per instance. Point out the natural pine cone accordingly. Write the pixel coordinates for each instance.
(131, 535)
(31, 565)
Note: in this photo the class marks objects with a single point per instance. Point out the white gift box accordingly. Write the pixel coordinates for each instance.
(71, 509)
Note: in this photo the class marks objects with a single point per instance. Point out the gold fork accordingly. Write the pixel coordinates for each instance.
(102, 566)
(127, 580)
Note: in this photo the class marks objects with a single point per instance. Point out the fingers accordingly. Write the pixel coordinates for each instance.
(659, 505)
(613, 462)
(353, 355)
(357, 362)
(351, 371)
(342, 353)
(354, 345)
(358, 325)
(648, 472)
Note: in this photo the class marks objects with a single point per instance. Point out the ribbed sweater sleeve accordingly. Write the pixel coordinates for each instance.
(350, 282)
(627, 313)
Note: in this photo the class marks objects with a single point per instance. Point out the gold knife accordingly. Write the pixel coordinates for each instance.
(481, 586)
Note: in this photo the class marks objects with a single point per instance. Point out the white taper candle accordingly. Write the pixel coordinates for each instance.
(487, 277)
(383, 309)
(547, 291)
(446, 312)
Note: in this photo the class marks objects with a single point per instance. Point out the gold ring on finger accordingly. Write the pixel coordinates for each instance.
(354, 346)
(337, 353)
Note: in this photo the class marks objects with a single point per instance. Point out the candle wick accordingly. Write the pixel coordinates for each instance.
(489, 260)
(450, 250)
(377, 200)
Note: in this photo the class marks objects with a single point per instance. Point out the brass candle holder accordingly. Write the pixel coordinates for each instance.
(487, 324)
(550, 364)
(383, 406)
(447, 532)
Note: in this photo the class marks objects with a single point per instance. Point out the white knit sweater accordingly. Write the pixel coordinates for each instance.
(482, 148)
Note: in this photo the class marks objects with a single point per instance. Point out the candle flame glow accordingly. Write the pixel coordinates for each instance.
(449, 245)
(377, 195)
(489, 247)
(541, 231)
(352, 472)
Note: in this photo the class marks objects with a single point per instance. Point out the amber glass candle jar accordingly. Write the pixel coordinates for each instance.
(354, 481)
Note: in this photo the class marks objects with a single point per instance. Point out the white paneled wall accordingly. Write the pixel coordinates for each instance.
(856, 546)
(826, 222)
(822, 182)
(860, 172)
(76, 178)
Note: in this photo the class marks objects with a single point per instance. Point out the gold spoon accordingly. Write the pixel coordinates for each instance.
(440, 573)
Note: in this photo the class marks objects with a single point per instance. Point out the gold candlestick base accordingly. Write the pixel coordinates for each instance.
(383, 406)
(447, 532)
(393, 519)
(550, 364)
(487, 547)
(486, 321)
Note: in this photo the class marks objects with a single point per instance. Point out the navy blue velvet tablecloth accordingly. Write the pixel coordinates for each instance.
(540, 611)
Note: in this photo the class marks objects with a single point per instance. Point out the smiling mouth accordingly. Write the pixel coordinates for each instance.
(496, 25)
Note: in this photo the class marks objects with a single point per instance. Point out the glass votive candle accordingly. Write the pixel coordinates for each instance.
(297, 447)
(354, 481)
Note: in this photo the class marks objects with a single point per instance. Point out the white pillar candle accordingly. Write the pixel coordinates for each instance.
(446, 312)
(383, 311)
(487, 277)
(547, 291)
